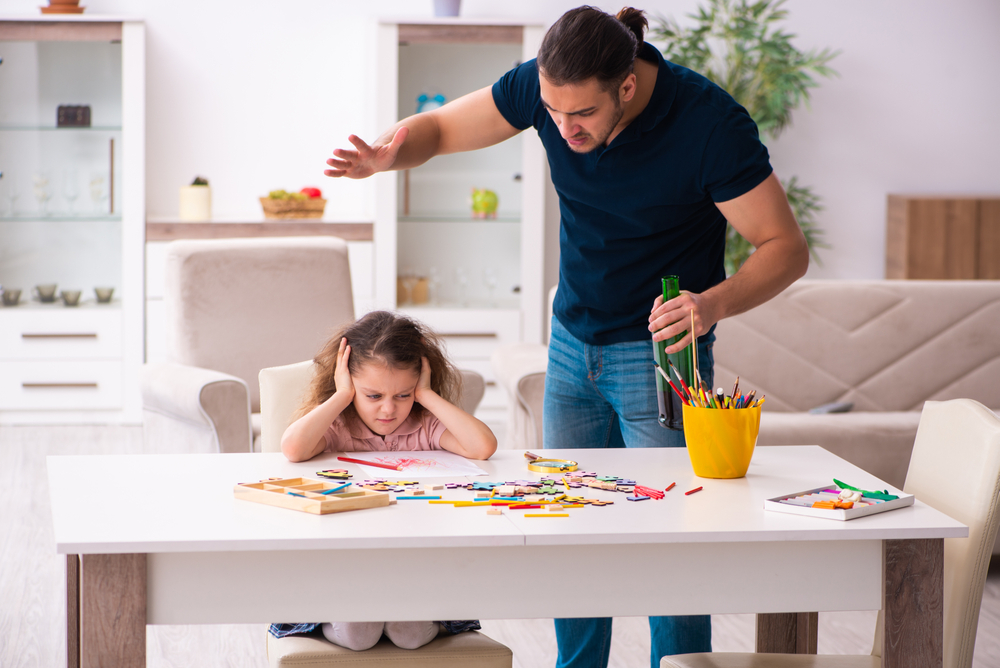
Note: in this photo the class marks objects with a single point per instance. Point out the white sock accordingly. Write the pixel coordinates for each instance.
(354, 635)
(411, 635)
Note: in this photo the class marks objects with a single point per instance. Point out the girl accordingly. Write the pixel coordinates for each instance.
(383, 383)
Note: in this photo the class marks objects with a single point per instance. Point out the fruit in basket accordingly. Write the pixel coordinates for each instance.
(285, 195)
(308, 203)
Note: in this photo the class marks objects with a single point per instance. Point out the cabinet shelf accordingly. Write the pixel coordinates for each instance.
(49, 128)
(460, 218)
(62, 218)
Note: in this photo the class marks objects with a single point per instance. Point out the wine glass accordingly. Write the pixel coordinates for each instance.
(40, 186)
(70, 187)
(409, 281)
(462, 280)
(13, 186)
(490, 279)
(434, 283)
(97, 193)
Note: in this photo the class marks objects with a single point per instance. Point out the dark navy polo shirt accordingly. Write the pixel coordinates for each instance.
(644, 206)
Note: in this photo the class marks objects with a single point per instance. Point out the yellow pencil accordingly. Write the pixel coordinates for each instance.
(546, 514)
(565, 484)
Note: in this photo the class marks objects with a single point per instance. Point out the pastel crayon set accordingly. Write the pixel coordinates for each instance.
(319, 497)
(832, 502)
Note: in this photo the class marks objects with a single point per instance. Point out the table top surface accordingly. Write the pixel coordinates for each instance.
(107, 504)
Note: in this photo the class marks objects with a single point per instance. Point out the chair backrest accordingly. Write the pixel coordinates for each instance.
(955, 468)
(242, 305)
(282, 389)
(530, 394)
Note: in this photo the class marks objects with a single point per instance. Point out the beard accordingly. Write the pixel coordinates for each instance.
(602, 137)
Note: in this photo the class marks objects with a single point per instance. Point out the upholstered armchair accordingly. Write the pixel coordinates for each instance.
(234, 307)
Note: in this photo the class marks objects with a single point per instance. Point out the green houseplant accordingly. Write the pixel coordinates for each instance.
(739, 46)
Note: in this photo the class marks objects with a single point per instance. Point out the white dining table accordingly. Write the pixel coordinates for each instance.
(161, 539)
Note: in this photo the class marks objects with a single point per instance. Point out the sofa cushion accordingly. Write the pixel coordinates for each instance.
(879, 443)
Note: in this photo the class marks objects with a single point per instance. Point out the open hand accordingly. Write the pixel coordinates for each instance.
(342, 374)
(424, 383)
(366, 160)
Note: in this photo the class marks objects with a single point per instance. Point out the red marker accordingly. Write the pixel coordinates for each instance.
(366, 463)
(696, 489)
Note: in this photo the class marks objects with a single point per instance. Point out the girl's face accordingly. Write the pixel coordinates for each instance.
(383, 396)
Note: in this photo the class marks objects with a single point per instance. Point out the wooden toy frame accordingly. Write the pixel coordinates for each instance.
(276, 492)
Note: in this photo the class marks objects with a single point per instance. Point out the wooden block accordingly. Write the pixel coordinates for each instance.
(483, 495)
(494, 511)
(417, 492)
(433, 488)
(554, 507)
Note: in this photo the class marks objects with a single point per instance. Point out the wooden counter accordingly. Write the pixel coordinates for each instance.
(171, 230)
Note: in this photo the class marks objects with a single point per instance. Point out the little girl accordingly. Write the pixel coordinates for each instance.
(383, 383)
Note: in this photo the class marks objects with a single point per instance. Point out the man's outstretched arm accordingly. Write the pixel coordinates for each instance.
(468, 123)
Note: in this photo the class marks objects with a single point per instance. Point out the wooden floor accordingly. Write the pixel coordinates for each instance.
(32, 586)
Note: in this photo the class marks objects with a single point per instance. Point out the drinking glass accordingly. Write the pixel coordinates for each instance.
(70, 187)
(13, 191)
(434, 283)
(409, 280)
(43, 192)
(98, 195)
(462, 280)
(490, 279)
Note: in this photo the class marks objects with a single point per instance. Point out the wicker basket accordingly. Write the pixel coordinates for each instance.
(290, 208)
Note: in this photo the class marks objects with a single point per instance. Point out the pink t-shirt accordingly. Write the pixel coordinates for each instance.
(423, 433)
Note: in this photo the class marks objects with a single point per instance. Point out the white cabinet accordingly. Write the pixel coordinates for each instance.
(72, 155)
(485, 274)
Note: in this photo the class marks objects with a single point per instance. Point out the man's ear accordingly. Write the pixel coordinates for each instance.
(627, 90)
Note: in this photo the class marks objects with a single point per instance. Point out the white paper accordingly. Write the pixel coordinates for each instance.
(417, 464)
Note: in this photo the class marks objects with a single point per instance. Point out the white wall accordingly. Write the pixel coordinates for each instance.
(255, 95)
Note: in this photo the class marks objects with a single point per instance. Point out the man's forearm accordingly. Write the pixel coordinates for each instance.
(770, 269)
(421, 144)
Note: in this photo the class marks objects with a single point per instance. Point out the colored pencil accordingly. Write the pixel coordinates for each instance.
(378, 464)
(670, 487)
(335, 489)
(696, 489)
(672, 386)
(694, 354)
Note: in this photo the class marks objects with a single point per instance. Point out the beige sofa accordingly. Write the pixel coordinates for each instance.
(885, 346)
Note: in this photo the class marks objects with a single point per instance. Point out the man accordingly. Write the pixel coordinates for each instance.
(650, 161)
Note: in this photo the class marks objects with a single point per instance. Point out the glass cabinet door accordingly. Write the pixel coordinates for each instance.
(60, 158)
(459, 215)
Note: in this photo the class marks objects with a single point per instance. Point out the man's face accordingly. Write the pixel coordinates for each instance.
(585, 114)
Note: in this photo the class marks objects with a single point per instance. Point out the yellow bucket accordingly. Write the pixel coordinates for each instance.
(720, 441)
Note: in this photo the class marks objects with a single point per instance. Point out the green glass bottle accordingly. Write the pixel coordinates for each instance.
(668, 405)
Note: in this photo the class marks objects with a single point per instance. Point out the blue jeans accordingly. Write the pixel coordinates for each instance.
(605, 397)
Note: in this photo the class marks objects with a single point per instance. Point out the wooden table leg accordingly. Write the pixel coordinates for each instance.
(913, 603)
(787, 633)
(73, 611)
(113, 611)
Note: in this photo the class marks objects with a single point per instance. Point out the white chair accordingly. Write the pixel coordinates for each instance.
(234, 307)
(281, 390)
(955, 468)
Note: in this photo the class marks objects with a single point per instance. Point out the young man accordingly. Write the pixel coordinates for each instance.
(650, 161)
